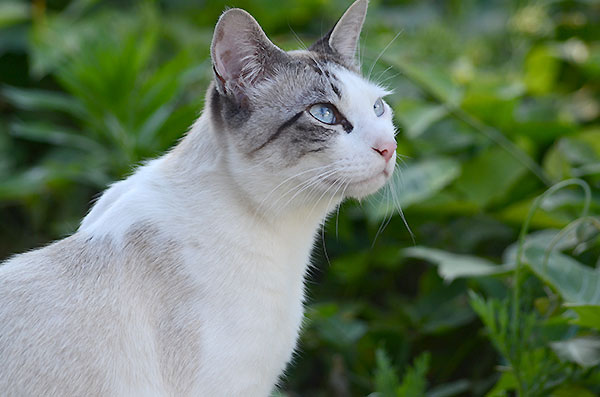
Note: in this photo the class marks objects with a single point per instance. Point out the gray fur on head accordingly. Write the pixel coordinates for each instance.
(261, 90)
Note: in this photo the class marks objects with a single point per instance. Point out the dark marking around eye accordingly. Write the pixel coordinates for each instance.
(277, 133)
(347, 126)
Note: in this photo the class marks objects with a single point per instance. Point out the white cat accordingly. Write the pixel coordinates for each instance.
(186, 279)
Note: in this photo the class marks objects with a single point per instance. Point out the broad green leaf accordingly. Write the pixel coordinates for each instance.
(13, 12)
(417, 116)
(489, 176)
(437, 80)
(587, 315)
(336, 327)
(517, 213)
(452, 266)
(416, 182)
(541, 70)
(491, 108)
(576, 283)
(542, 239)
(584, 351)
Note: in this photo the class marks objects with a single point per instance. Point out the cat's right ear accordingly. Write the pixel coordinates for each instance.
(242, 55)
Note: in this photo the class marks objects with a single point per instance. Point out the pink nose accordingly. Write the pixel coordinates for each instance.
(386, 149)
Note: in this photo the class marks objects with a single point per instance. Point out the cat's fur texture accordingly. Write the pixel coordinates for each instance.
(186, 279)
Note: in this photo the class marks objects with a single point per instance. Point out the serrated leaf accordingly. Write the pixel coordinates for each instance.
(414, 381)
(386, 380)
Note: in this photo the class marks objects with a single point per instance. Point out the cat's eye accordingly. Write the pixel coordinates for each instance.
(378, 107)
(324, 113)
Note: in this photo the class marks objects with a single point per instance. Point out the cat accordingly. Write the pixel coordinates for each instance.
(187, 278)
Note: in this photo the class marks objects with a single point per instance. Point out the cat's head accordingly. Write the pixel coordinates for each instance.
(302, 124)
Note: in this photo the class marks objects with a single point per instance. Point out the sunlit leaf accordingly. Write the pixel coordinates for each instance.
(587, 315)
(541, 70)
(584, 351)
(12, 12)
(452, 266)
(416, 182)
(416, 116)
(575, 282)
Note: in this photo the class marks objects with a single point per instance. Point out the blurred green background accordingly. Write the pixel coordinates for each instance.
(492, 292)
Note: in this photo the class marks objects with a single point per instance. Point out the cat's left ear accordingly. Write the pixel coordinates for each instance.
(342, 40)
(242, 54)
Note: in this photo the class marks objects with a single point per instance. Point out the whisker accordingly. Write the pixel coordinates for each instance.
(382, 52)
(399, 208)
(298, 39)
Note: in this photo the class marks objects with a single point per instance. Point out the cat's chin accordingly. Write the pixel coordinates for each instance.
(367, 186)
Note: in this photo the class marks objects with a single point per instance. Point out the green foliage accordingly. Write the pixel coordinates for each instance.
(387, 383)
(496, 289)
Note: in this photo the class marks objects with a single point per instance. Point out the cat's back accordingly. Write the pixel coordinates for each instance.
(76, 320)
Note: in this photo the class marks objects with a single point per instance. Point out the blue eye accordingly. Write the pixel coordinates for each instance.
(324, 113)
(378, 107)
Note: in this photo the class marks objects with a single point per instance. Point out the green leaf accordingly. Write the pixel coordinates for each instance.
(417, 116)
(504, 385)
(436, 79)
(55, 135)
(541, 70)
(575, 282)
(414, 380)
(489, 176)
(587, 315)
(572, 391)
(13, 12)
(584, 351)
(414, 183)
(452, 266)
(386, 379)
(39, 100)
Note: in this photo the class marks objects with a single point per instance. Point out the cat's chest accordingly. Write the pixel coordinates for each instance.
(252, 313)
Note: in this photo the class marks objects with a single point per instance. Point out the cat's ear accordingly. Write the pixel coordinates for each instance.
(342, 40)
(242, 55)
